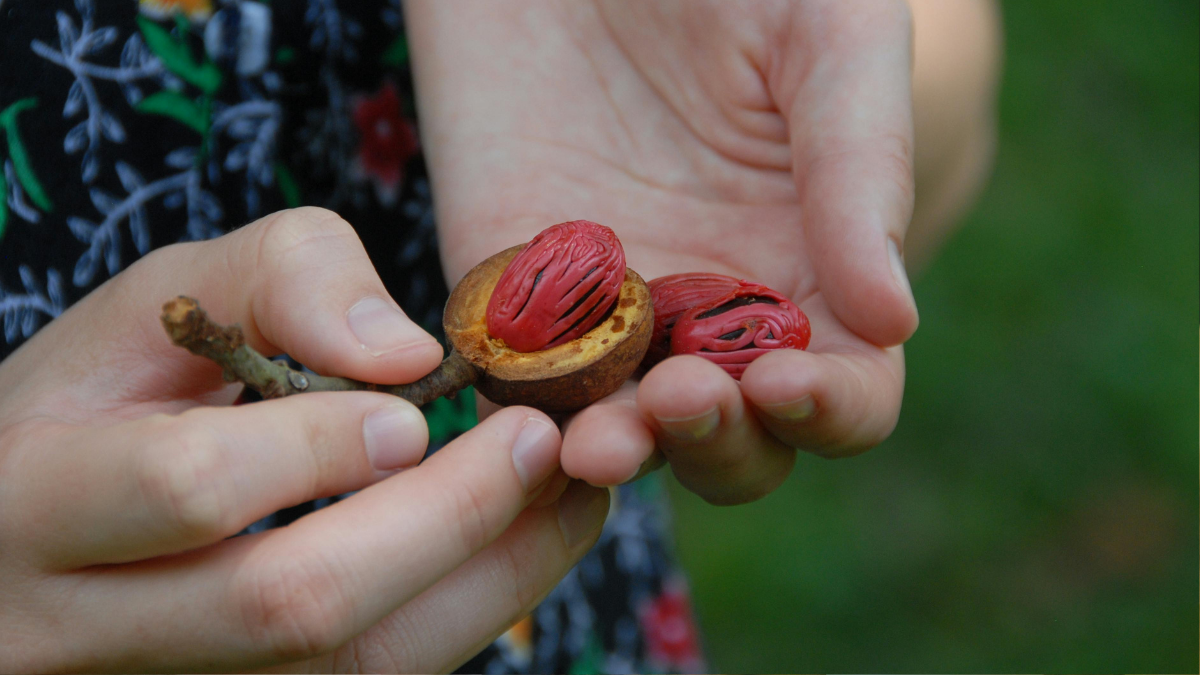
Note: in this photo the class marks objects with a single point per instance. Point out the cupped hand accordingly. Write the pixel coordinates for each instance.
(124, 472)
(770, 141)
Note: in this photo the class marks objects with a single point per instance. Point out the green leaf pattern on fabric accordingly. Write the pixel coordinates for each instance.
(176, 106)
(3, 204)
(288, 186)
(20, 157)
(396, 54)
(591, 660)
(178, 58)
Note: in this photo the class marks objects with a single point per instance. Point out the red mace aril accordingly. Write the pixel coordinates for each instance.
(559, 287)
(728, 321)
(677, 293)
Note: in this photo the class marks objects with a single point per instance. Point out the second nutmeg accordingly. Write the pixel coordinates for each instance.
(726, 320)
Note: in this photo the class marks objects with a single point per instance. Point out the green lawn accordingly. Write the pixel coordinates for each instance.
(1036, 509)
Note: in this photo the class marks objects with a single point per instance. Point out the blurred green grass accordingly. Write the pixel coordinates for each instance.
(1036, 509)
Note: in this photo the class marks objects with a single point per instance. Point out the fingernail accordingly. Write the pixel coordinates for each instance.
(581, 511)
(697, 428)
(792, 411)
(381, 328)
(535, 452)
(898, 270)
(395, 437)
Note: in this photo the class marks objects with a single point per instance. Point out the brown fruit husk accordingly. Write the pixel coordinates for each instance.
(565, 378)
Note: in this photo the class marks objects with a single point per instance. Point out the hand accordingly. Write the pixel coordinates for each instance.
(768, 141)
(124, 472)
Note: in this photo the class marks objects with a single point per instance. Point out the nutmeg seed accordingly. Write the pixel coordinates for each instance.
(558, 287)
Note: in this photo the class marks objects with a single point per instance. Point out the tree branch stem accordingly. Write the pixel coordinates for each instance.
(190, 327)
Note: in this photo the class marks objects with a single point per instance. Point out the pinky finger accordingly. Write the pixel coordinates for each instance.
(831, 404)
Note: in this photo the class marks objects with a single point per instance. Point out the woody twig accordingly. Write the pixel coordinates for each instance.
(190, 327)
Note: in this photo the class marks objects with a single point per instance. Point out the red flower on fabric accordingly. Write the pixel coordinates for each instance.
(386, 140)
(671, 638)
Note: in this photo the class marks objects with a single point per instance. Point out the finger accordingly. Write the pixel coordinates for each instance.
(302, 283)
(551, 490)
(467, 610)
(164, 484)
(607, 442)
(297, 281)
(716, 447)
(833, 404)
(298, 592)
(848, 101)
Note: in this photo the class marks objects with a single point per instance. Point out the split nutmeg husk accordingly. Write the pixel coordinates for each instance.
(560, 379)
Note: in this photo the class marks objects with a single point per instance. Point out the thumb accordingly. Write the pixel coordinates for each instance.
(847, 98)
(297, 282)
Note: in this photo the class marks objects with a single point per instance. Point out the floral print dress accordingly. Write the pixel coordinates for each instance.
(125, 126)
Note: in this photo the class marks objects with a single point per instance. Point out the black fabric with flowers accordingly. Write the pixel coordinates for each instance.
(125, 126)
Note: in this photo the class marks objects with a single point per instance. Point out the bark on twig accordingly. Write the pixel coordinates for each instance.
(189, 326)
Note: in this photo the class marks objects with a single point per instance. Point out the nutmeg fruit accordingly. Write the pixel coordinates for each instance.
(566, 376)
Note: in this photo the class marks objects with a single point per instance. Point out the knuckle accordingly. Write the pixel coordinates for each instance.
(32, 639)
(182, 478)
(155, 263)
(288, 248)
(19, 442)
(883, 414)
(895, 162)
(293, 607)
(29, 657)
(405, 644)
(870, 433)
(863, 416)
(470, 516)
(288, 231)
(517, 566)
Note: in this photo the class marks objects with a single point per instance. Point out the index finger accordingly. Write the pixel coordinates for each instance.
(300, 591)
(298, 282)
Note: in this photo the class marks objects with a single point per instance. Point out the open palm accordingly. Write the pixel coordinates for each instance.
(770, 142)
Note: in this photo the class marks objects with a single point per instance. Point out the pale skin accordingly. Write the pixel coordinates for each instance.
(707, 139)
(771, 141)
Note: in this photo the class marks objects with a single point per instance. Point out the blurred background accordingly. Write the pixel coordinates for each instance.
(1036, 509)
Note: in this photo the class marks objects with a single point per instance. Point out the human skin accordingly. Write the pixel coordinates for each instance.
(122, 468)
(124, 471)
(772, 141)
